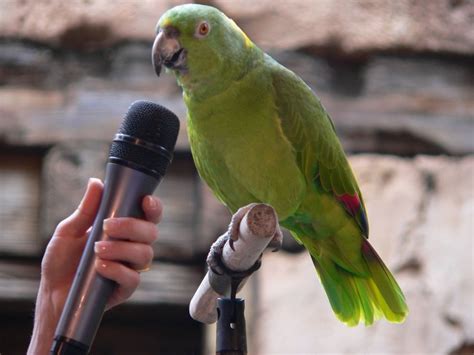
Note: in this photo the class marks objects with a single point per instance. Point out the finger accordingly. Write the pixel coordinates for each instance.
(137, 255)
(77, 224)
(126, 278)
(153, 208)
(132, 229)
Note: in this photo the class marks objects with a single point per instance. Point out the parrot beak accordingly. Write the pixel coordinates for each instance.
(167, 51)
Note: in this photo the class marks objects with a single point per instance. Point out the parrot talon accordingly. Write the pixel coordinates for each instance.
(231, 244)
(277, 241)
(234, 225)
(214, 257)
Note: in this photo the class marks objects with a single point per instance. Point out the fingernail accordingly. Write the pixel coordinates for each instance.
(152, 202)
(85, 192)
(108, 223)
(88, 186)
(100, 264)
(99, 247)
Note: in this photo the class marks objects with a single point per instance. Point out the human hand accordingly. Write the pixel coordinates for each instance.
(117, 259)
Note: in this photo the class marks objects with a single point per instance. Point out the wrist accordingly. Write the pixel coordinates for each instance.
(46, 318)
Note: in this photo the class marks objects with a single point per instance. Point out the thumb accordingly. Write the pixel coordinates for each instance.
(77, 224)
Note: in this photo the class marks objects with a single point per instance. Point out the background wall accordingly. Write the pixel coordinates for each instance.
(397, 78)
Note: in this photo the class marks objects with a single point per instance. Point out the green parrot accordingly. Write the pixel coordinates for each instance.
(259, 134)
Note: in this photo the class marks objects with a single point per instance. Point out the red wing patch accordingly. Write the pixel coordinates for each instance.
(353, 207)
(350, 202)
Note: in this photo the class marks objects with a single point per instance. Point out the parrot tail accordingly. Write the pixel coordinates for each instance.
(357, 298)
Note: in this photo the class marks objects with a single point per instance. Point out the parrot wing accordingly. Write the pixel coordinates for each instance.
(358, 284)
(311, 132)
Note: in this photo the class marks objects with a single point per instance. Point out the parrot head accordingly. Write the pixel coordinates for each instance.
(200, 45)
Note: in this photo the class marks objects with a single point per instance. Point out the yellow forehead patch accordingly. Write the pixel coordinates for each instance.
(166, 22)
(248, 42)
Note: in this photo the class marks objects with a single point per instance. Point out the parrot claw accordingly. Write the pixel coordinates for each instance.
(277, 241)
(234, 225)
(215, 254)
(231, 244)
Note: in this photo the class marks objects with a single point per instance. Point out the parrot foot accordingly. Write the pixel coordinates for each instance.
(234, 225)
(214, 258)
(219, 270)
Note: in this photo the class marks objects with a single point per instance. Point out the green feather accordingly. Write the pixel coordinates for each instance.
(259, 134)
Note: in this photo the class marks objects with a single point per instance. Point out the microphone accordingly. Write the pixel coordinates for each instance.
(139, 155)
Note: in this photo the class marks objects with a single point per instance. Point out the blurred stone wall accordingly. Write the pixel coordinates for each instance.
(397, 77)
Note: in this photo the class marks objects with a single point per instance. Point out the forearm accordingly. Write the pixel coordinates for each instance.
(46, 319)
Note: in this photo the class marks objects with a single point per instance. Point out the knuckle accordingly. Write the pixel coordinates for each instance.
(160, 207)
(147, 254)
(134, 280)
(154, 233)
(63, 225)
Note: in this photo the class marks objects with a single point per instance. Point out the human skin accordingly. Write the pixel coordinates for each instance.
(117, 259)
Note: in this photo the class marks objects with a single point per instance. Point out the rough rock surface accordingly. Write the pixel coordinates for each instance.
(389, 104)
(81, 24)
(357, 26)
(421, 217)
(348, 26)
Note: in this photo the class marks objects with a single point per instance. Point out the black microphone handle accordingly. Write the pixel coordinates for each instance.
(124, 189)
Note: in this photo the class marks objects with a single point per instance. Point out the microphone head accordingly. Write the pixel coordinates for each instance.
(146, 138)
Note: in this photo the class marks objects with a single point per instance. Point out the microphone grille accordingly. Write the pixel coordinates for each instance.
(152, 123)
(151, 132)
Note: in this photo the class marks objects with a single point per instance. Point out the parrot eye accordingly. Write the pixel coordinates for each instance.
(202, 29)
